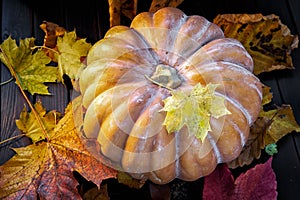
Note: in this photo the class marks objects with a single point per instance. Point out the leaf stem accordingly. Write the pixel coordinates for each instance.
(11, 138)
(18, 82)
(44, 47)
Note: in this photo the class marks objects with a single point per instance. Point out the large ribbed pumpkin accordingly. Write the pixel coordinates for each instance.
(128, 76)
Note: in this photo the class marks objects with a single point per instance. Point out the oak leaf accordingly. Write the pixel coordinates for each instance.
(266, 38)
(29, 66)
(44, 169)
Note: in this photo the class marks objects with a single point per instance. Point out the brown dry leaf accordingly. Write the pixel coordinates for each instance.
(267, 95)
(269, 127)
(267, 40)
(44, 169)
(117, 8)
(158, 4)
(97, 194)
(127, 180)
(254, 144)
(52, 31)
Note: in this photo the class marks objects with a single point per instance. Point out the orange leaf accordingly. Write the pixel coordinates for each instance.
(52, 31)
(118, 7)
(158, 4)
(44, 169)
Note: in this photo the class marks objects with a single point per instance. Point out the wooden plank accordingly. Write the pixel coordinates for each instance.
(85, 19)
(16, 25)
(294, 7)
(286, 167)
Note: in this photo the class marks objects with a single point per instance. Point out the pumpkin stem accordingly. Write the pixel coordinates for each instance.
(157, 83)
(165, 76)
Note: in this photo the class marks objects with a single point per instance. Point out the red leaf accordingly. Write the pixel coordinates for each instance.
(219, 184)
(257, 183)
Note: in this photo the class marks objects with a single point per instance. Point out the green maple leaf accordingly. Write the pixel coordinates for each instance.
(71, 51)
(194, 110)
(27, 65)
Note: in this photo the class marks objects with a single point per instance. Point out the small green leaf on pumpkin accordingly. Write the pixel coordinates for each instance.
(271, 149)
(194, 110)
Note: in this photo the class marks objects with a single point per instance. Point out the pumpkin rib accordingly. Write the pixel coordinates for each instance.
(141, 138)
(193, 35)
(193, 164)
(218, 50)
(121, 121)
(116, 37)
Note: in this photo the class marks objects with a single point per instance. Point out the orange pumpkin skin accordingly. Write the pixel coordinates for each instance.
(123, 108)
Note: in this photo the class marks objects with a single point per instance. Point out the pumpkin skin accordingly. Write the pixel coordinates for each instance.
(123, 108)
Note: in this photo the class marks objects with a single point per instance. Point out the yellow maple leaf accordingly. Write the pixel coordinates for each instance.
(71, 51)
(29, 125)
(194, 110)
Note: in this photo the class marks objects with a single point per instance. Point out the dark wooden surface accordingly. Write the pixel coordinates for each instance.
(21, 19)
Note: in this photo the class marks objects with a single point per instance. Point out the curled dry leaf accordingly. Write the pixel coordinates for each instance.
(52, 31)
(268, 41)
(158, 4)
(254, 144)
(121, 7)
(127, 180)
(269, 127)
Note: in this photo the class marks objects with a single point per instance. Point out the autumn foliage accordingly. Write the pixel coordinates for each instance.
(44, 169)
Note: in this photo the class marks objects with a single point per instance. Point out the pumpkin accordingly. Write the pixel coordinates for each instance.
(130, 73)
